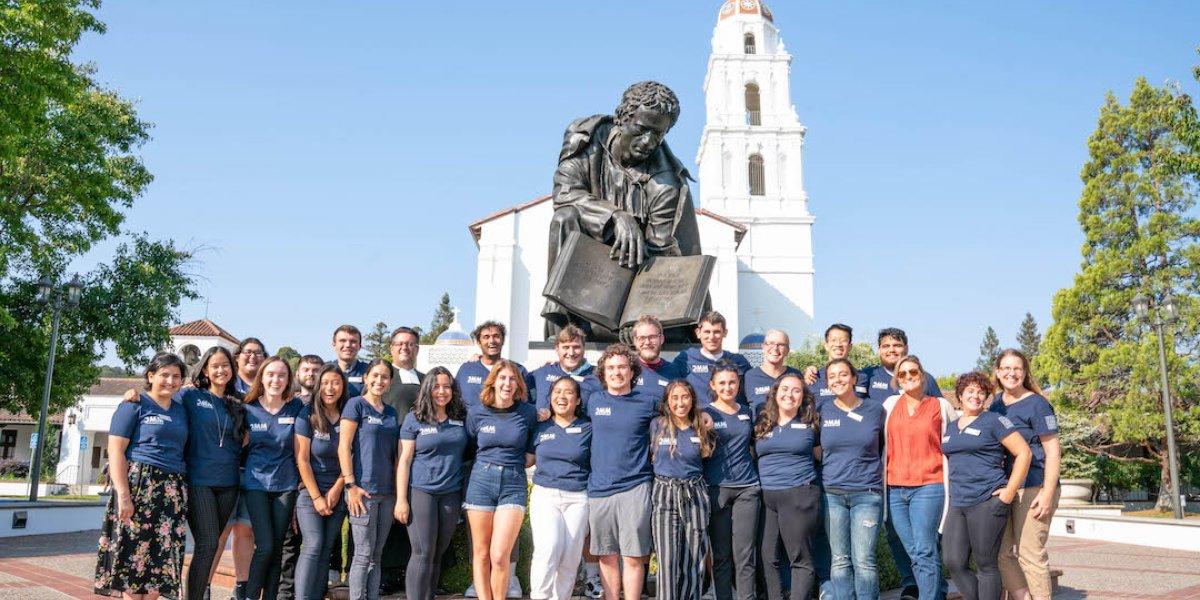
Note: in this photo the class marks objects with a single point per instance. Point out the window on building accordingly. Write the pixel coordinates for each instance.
(749, 42)
(753, 105)
(8, 443)
(758, 176)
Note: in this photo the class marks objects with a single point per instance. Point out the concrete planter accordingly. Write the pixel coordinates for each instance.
(1075, 491)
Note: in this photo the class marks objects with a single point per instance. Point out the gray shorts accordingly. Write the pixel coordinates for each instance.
(620, 523)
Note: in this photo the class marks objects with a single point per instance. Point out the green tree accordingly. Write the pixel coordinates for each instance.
(289, 354)
(377, 343)
(812, 353)
(443, 315)
(989, 351)
(69, 169)
(1028, 337)
(946, 382)
(1140, 236)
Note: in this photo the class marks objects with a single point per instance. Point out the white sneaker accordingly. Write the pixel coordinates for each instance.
(471, 593)
(592, 588)
(514, 586)
(335, 578)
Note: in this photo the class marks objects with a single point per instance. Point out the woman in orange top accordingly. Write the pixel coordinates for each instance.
(915, 472)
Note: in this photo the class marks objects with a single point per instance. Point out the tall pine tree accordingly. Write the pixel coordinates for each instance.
(377, 343)
(443, 315)
(1028, 337)
(1141, 236)
(989, 351)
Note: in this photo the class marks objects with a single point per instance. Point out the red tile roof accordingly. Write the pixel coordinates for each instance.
(115, 386)
(9, 418)
(203, 327)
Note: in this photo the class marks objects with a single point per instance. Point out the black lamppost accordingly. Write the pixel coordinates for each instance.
(1164, 313)
(48, 294)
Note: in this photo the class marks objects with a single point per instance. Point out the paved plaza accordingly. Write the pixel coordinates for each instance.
(60, 566)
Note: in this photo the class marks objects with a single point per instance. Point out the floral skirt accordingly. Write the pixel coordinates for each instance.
(147, 555)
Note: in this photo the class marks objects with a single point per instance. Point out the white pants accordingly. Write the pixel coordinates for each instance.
(559, 520)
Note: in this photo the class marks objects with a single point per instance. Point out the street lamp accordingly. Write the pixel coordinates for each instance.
(1166, 314)
(67, 296)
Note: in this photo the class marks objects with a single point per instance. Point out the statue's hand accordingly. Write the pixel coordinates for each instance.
(629, 245)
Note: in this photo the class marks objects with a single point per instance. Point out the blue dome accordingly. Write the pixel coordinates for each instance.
(451, 337)
(753, 341)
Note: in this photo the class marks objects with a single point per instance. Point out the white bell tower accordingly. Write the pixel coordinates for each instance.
(751, 169)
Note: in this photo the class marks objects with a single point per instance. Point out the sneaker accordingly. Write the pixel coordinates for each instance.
(911, 592)
(471, 593)
(335, 578)
(514, 586)
(592, 588)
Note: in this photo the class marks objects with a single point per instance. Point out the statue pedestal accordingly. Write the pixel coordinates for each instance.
(541, 353)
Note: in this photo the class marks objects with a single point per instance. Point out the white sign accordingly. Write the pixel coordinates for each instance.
(33, 437)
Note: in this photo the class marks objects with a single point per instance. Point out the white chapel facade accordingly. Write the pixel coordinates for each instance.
(752, 209)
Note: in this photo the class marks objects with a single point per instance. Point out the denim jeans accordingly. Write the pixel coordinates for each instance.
(370, 533)
(916, 513)
(318, 533)
(852, 522)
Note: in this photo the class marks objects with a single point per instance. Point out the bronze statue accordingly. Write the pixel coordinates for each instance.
(618, 182)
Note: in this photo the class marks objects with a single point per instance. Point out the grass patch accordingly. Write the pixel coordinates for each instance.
(1154, 513)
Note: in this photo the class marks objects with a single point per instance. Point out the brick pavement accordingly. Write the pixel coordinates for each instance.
(60, 566)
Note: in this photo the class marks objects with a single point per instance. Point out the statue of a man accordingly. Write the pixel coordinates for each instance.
(618, 182)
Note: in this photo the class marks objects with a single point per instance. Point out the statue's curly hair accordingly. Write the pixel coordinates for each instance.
(650, 95)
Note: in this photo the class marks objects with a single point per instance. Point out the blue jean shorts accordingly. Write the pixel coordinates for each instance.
(494, 487)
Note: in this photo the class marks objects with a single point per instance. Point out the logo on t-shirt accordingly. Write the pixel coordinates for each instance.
(699, 368)
(258, 427)
(428, 431)
(762, 389)
(317, 435)
(475, 379)
(603, 411)
(831, 423)
(155, 419)
(374, 420)
(487, 429)
(824, 392)
(879, 385)
(720, 425)
(552, 378)
(545, 437)
(204, 404)
(1051, 423)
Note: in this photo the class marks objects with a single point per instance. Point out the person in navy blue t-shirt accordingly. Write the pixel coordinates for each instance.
(250, 354)
(656, 373)
(839, 340)
(347, 341)
(490, 336)
(733, 488)
(270, 479)
(787, 442)
(680, 440)
(429, 477)
(981, 495)
(143, 534)
(758, 381)
(880, 379)
(697, 362)
(558, 503)
(369, 445)
(496, 492)
(1022, 402)
(320, 510)
(568, 345)
(852, 474)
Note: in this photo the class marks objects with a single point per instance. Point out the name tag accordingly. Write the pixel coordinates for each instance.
(855, 416)
(287, 420)
(374, 421)
(695, 439)
(317, 435)
(858, 389)
(743, 417)
(487, 429)
(337, 428)
(574, 430)
(663, 382)
(355, 379)
(455, 422)
(475, 379)
(603, 411)
(666, 442)
(945, 439)
(831, 423)
(971, 431)
(578, 378)
(799, 425)
(204, 404)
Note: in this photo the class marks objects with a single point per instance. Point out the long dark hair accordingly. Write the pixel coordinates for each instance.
(725, 366)
(230, 395)
(578, 393)
(317, 412)
(769, 417)
(425, 409)
(163, 360)
(666, 422)
(371, 366)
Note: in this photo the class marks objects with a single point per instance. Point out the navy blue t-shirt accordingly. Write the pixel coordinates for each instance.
(685, 462)
(850, 446)
(502, 435)
(322, 449)
(242, 387)
(271, 454)
(354, 377)
(470, 378)
(654, 379)
(438, 454)
(975, 455)
(785, 455)
(621, 436)
(156, 437)
(879, 384)
(731, 464)
(697, 368)
(375, 445)
(564, 454)
(1033, 417)
(214, 451)
(758, 384)
(545, 378)
(822, 394)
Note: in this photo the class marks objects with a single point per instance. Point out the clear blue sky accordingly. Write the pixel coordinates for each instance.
(325, 161)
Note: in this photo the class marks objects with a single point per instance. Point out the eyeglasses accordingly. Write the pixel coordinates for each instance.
(775, 344)
(404, 344)
(647, 338)
(908, 374)
(253, 353)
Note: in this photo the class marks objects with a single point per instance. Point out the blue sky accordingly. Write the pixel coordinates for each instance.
(324, 163)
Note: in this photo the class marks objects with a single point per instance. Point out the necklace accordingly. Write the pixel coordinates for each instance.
(220, 426)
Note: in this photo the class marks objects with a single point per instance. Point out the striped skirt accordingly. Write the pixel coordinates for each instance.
(680, 526)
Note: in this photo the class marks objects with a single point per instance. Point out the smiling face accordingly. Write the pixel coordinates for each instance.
(331, 388)
(491, 341)
(346, 345)
(837, 344)
(891, 350)
(725, 384)
(563, 398)
(404, 350)
(618, 374)
(249, 360)
(711, 335)
(911, 378)
(640, 136)
(505, 386)
(378, 379)
(1011, 373)
(276, 379)
(973, 399)
(306, 374)
(680, 402)
(218, 370)
(165, 381)
(649, 342)
(840, 379)
(789, 395)
(775, 348)
(443, 391)
(570, 354)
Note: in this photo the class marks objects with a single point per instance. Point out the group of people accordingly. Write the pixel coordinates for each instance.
(743, 481)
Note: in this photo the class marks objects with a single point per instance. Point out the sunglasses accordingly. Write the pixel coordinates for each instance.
(908, 374)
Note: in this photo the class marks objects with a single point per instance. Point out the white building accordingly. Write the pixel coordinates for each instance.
(753, 211)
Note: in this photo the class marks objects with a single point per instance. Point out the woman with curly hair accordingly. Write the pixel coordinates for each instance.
(787, 441)
(680, 440)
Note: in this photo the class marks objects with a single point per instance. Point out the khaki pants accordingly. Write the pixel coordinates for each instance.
(1024, 562)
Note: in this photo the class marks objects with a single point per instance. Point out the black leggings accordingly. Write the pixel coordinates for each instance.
(209, 509)
(733, 529)
(270, 517)
(791, 514)
(431, 523)
(975, 531)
